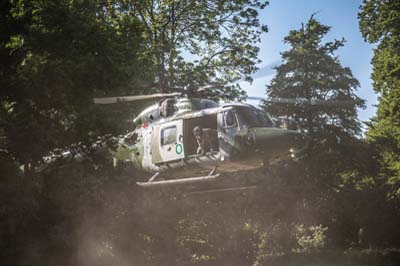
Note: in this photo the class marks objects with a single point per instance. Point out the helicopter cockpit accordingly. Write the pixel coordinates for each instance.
(234, 122)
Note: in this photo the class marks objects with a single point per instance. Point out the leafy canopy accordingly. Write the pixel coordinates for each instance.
(200, 42)
(379, 23)
(309, 70)
(54, 57)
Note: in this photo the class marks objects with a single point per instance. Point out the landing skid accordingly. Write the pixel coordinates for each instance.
(221, 190)
(181, 181)
(211, 183)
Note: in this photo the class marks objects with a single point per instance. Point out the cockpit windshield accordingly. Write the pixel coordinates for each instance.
(252, 117)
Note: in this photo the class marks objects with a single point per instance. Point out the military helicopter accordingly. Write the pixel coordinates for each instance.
(191, 141)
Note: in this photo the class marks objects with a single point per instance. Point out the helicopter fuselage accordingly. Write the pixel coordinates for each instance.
(243, 138)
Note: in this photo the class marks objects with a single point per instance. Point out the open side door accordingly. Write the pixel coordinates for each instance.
(168, 141)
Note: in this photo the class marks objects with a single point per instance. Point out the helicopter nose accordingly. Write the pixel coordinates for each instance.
(277, 141)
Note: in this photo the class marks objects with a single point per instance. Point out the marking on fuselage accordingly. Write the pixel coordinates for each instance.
(178, 148)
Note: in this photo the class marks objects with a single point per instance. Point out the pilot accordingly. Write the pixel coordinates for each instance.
(206, 138)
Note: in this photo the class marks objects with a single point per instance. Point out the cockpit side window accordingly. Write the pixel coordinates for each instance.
(252, 117)
(229, 118)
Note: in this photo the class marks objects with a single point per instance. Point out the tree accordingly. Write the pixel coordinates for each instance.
(380, 23)
(311, 71)
(219, 37)
(54, 57)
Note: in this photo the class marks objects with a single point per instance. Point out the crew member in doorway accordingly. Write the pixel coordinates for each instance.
(206, 139)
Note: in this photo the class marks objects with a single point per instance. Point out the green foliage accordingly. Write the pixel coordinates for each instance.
(54, 58)
(219, 37)
(310, 239)
(380, 23)
(311, 71)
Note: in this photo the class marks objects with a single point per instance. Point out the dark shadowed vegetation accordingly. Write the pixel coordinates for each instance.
(63, 203)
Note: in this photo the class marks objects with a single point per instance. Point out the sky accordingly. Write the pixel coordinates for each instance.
(281, 16)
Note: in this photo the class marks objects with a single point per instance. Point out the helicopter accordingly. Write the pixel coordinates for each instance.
(194, 142)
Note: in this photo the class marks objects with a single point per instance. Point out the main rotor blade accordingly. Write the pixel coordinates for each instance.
(111, 100)
(210, 86)
(303, 101)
